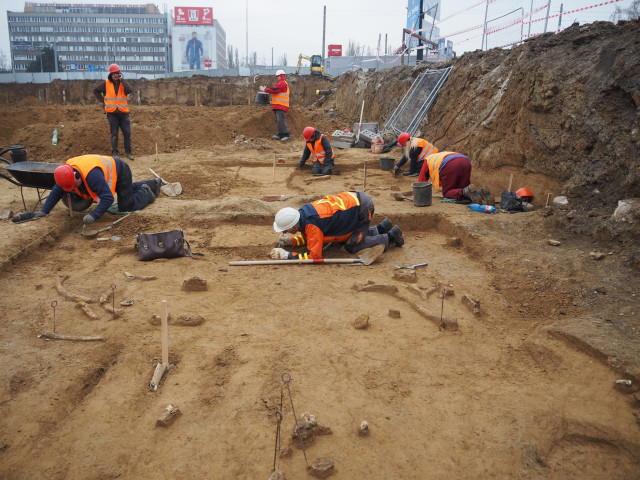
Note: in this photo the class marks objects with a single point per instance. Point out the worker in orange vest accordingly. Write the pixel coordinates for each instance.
(101, 178)
(280, 105)
(317, 146)
(112, 93)
(342, 218)
(415, 150)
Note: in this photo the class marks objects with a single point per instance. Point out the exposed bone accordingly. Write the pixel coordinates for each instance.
(168, 416)
(471, 304)
(130, 277)
(161, 369)
(377, 287)
(73, 338)
(63, 291)
(87, 311)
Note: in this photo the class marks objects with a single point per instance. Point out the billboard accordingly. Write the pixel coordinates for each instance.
(430, 8)
(193, 16)
(181, 37)
(335, 51)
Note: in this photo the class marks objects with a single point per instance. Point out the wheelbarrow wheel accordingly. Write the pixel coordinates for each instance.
(78, 204)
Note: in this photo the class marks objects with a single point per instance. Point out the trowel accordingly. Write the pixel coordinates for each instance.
(169, 189)
(93, 233)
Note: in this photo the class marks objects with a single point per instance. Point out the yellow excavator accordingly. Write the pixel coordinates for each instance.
(316, 64)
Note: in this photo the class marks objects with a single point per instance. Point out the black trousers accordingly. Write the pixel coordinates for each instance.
(120, 122)
(131, 195)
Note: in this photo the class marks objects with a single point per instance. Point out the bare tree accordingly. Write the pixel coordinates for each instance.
(283, 60)
(237, 59)
(631, 13)
(230, 56)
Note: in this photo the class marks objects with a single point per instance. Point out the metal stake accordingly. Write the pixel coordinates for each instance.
(275, 452)
(442, 308)
(286, 378)
(54, 304)
(113, 298)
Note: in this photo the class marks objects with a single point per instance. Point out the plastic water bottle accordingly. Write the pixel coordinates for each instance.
(482, 208)
(54, 139)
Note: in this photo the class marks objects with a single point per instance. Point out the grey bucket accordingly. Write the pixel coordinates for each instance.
(386, 163)
(262, 98)
(421, 194)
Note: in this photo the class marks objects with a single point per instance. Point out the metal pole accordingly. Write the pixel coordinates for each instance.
(546, 20)
(324, 30)
(247, 31)
(484, 27)
(419, 51)
(530, 13)
(55, 54)
(560, 18)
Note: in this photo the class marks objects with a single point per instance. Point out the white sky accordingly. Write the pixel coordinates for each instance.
(292, 27)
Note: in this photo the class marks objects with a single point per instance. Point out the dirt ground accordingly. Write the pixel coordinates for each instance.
(540, 380)
(512, 393)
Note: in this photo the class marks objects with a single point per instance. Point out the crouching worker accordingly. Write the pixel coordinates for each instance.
(415, 150)
(342, 218)
(452, 172)
(319, 147)
(101, 178)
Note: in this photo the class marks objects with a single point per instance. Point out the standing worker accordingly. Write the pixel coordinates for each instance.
(280, 105)
(113, 95)
(194, 51)
(452, 172)
(415, 150)
(101, 178)
(319, 147)
(343, 218)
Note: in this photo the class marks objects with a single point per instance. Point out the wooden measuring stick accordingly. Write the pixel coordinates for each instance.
(510, 181)
(165, 333)
(69, 203)
(156, 151)
(275, 159)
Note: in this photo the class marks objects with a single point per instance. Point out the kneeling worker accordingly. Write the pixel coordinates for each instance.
(100, 178)
(342, 218)
(415, 150)
(319, 147)
(452, 172)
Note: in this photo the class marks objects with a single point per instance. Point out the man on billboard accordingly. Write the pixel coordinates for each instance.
(194, 51)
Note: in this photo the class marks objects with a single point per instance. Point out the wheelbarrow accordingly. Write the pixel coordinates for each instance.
(38, 175)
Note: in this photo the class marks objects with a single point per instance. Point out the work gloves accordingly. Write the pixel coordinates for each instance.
(285, 241)
(88, 218)
(280, 254)
(262, 87)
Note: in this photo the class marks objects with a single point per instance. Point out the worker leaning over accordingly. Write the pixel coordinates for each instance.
(415, 150)
(113, 94)
(319, 147)
(342, 218)
(101, 178)
(280, 105)
(452, 172)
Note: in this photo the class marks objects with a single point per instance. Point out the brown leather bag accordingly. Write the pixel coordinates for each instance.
(162, 245)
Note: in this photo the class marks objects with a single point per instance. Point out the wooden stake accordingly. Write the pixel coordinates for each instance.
(69, 203)
(73, 338)
(165, 333)
(364, 184)
(510, 181)
(275, 159)
(360, 122)
(548, 196)
(156, 151)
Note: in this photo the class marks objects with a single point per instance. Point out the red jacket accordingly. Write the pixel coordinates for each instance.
(280, 92)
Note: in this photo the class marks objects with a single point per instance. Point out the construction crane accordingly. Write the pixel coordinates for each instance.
(316, 64)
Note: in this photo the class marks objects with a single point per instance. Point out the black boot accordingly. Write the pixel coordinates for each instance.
(395, 236)
(384, 226)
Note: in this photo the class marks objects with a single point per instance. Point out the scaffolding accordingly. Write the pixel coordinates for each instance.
(417, 101)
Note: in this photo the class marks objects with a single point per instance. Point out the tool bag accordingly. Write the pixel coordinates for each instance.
(162, 245)
(510, 202)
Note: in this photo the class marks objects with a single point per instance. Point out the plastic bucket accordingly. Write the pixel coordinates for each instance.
(377, 147)
(386, 163)
(18, 153)
(262, 98)
(421, 194)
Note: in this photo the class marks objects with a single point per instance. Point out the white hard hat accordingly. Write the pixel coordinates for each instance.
(280, 72)
(286, 218)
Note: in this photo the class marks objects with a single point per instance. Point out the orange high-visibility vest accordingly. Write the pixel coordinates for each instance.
(317, 152)
(282, 98)
(113, 101)
(85, 163)
(427, 148)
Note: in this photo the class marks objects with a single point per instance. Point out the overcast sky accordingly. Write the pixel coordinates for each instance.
(292, 27)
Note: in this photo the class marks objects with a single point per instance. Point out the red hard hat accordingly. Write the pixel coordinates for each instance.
(65, 177)
(524, 192)
(307, 133)
(114, 68)
(402, 139)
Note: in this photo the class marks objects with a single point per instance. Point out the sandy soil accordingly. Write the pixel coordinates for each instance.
(506, 395)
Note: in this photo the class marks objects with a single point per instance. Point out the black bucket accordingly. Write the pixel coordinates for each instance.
(262, 98)
(18, 153)
(421, 194)
(386, 163)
